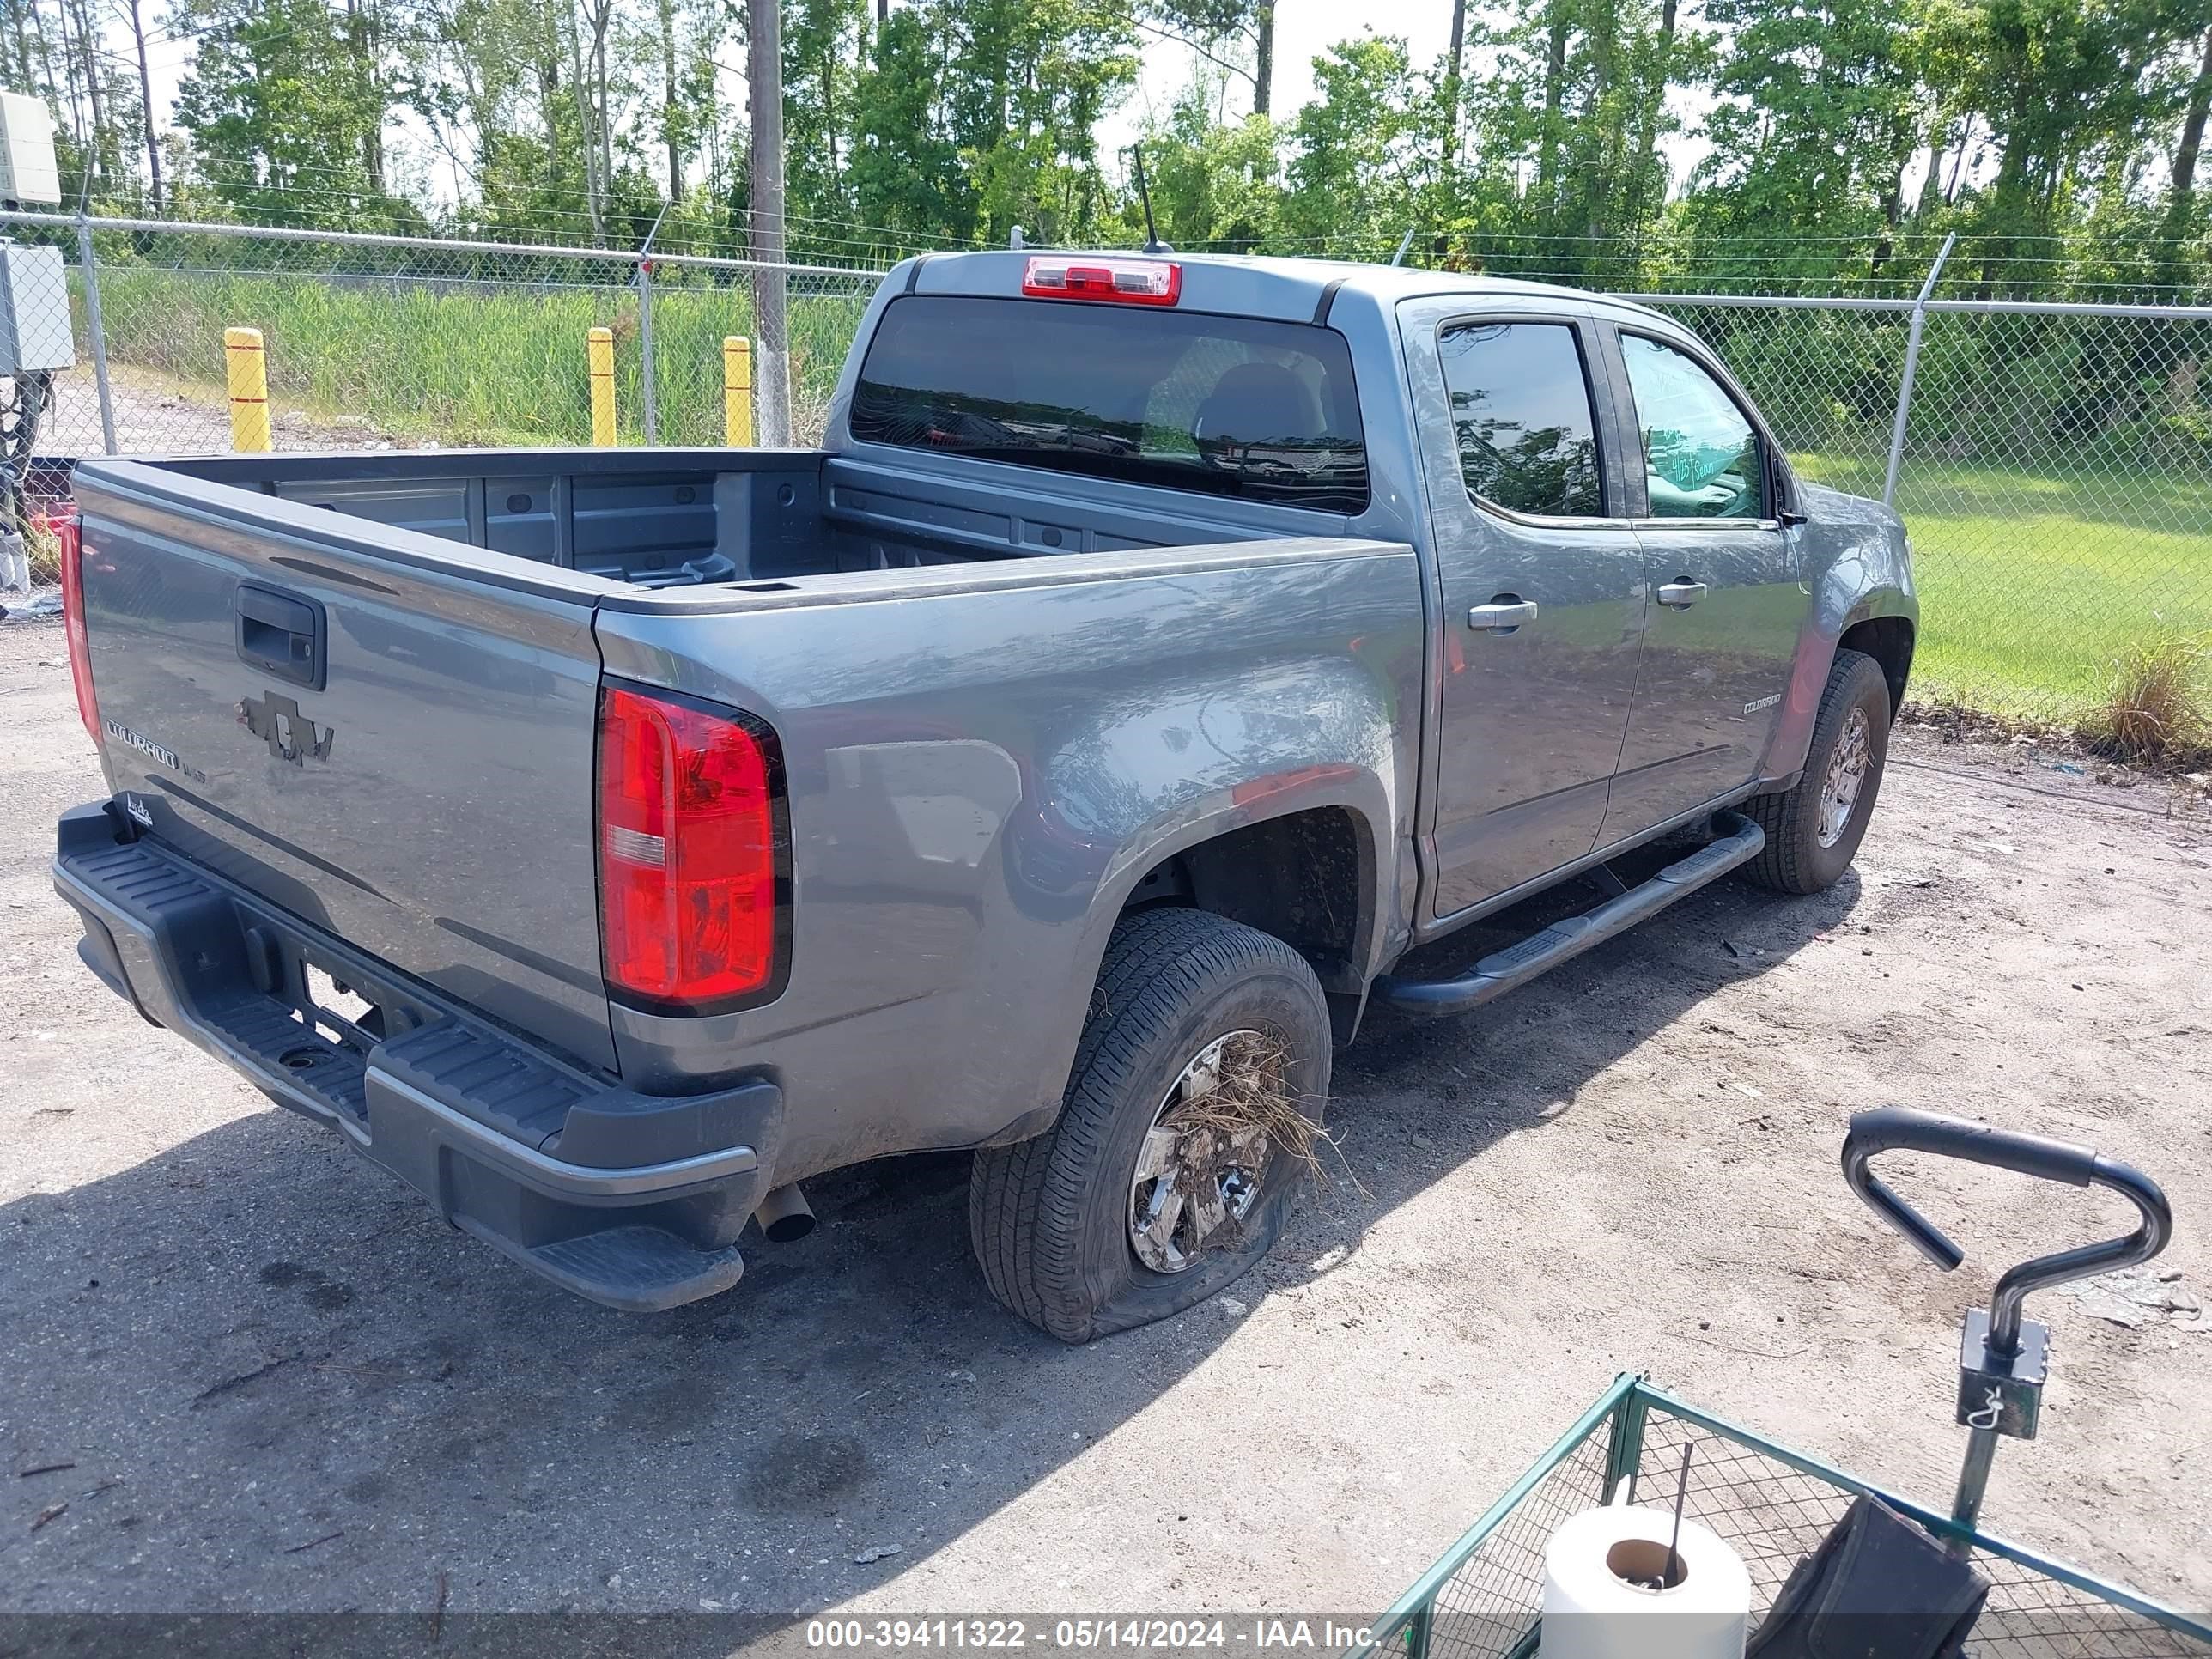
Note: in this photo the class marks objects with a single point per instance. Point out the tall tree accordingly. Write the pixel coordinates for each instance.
(821, 64)
(285, 116)
(1358, 160)
(589, 23)
(1820, 109)
(905, 167)
(1235, 35)
(2199, 106)
(672, 122)
(146, 107)
(1455, 60)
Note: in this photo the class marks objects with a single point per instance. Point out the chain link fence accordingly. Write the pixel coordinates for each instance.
(2053, 461)
(2053, 464)
(375, 342)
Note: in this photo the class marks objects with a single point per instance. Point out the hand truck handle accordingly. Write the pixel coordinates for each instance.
(1900, 1128)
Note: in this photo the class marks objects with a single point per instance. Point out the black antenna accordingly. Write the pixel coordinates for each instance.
(1672, 1573)
(1152, 243)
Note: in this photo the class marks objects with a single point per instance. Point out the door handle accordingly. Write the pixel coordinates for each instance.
(281, 633)
(1681, 595)
(1501, 615)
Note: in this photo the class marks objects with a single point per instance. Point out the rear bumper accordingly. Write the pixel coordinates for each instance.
(632, 1200)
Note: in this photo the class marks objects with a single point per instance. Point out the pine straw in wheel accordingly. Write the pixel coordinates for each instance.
(1253, 1092)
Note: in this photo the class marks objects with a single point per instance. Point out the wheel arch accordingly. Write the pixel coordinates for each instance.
(1889, 640)
(1883, 623)
(1307, 876)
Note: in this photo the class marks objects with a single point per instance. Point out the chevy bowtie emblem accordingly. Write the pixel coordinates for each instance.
(291, 735)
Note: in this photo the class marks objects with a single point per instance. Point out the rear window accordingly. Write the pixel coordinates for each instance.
(1222, 405)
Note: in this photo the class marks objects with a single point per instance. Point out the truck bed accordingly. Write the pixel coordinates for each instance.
(673, 518)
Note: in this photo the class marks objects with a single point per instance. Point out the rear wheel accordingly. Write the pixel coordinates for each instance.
(1197, 1087)
(1813, 831)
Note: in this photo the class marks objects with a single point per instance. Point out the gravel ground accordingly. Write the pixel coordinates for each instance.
(158, 414)
(279, 1384)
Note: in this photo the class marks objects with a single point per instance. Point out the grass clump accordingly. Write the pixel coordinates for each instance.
(44, 549)
(2155, 703)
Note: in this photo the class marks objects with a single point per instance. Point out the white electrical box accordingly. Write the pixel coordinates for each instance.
(28, 175)
(34, 310)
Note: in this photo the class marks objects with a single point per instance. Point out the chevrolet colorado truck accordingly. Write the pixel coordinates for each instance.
(1053, 764)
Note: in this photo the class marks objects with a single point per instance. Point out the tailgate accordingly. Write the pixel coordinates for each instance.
(387, 735)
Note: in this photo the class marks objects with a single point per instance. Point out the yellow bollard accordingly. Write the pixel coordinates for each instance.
(247, 367)
(737, 391)
(599, 353)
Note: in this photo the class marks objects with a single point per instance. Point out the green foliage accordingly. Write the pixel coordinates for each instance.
(905, 168)
(1038, 76)
(1841, 139)
(285, 105)
(1214, 185)
(1363, 152)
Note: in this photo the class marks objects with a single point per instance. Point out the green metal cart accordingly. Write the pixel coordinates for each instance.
(1773, 1505)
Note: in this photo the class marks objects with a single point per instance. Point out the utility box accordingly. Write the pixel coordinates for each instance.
(34, 310)
(28, 175)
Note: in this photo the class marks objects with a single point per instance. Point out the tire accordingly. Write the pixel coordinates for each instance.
(1794, 860)
(1051, 1218)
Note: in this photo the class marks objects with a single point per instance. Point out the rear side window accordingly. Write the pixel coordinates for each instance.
(1222, 405)
(1522, 417)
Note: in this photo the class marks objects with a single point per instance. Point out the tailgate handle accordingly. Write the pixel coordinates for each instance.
(281, 634)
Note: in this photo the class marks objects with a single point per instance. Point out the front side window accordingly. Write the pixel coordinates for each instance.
(1522, 417)
(1702, 456)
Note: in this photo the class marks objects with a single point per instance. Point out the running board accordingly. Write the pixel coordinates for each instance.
(1521, 962)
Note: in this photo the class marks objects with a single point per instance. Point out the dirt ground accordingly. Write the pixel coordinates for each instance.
(158, 414)
(276, 1382)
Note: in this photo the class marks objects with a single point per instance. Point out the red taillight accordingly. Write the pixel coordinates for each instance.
(1085, 276)
(688, 852)
(67, 533)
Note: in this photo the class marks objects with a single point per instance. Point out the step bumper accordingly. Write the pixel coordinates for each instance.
(632, 1200)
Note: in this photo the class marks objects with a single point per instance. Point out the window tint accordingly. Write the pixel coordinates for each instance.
(1224, 405)
(1701, 456)
(1521, 417)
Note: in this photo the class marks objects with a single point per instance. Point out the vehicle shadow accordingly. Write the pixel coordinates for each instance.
(309, 1394)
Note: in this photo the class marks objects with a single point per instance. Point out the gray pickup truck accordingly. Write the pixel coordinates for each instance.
(1056, 764)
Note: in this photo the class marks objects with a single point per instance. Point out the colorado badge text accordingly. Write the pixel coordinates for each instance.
(123, 735)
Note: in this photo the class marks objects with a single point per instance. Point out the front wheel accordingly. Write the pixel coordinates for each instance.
(1189, 1117)
(1813, 831)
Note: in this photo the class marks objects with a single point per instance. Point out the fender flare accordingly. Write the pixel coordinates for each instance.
(1343, 786)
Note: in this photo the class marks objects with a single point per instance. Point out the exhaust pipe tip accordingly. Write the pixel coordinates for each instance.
(784, 1215)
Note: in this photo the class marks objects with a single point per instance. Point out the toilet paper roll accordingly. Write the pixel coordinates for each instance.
(1598, 1601)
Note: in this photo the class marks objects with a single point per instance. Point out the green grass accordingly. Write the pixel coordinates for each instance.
(2032, 585)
